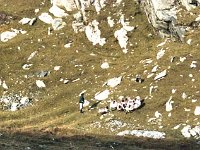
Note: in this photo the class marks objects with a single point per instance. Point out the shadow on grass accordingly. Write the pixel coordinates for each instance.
(51, 140)
(94, 105)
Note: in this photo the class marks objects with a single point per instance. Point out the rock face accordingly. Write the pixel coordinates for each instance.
(162, 15)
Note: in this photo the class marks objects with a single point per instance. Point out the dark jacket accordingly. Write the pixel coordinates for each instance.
(81, 99)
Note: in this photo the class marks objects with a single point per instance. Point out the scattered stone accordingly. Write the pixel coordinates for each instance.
(7, 35)
(184, 95)
(58, 24)
(57, 12)
(32, 55)
(169, 104)
(110, 22)
(182, 59)
(24, 21)
(27, 21)
(193, 64)
(56, 68)
(155, 68)
(4, 85)
(26, 66)
(68, 45)
(105, 65)
(14, 102)
(42, 74)
(46, 18)
(161, 75)
(143, 133)
(114, 81)
(160, 54)
(94, 34)
(189, 41)
(188, 131)
(102, 95)
(197, 110)
(40, 84)
(158, 115)
(161, 44)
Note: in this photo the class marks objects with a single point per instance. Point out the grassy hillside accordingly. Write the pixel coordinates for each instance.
(56, 106)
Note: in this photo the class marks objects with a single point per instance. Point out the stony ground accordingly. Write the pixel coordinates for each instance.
(170, 103)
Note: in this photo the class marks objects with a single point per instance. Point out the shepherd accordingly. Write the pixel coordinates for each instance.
(81, 102)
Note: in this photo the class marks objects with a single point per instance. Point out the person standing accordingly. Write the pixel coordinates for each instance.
(81, 102)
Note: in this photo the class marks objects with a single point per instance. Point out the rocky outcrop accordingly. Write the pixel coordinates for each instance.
(162, 15)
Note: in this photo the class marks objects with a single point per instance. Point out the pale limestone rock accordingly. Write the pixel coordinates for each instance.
(46, 18)
(197, 110)
(143, 133)
(105, 65)
(24, 21)
(110, 22)
(94, 34)
(114, 81)
(102, 95)
(169, 104)
(69, 5)
(160, 54)
(161, 75)
(58, 24)
(40, 84)
(7, 35)
(58, 12)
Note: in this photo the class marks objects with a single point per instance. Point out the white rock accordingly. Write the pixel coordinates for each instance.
(102, 95)
(161, 75)
(173, 91)
(184, 95)
(4, 85)
(193, 64)
(160, 54)
(182, 59)
(143, 133)
(155, 68)
(99, 4)
(24, 100)
(185, 131)
(189, 41)
(69, 5)
(7, 35)
(114, 81)
(32, 55)
(161, 44)
(14, 106)
(177, 126)
(169, 104)
(26, 66)
(24, 21)
(94, 34)
(105, 65)
(197, 110)
(57, 12)
(56, 68)
(58, 24)
(40, 84)
(46, 18)
(121, 37)
(158, 115)
(110, 22)
(68, 45)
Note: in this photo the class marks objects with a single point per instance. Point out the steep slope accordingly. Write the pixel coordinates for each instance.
(169, 101)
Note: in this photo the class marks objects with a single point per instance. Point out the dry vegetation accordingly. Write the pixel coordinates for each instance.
(56, 106)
